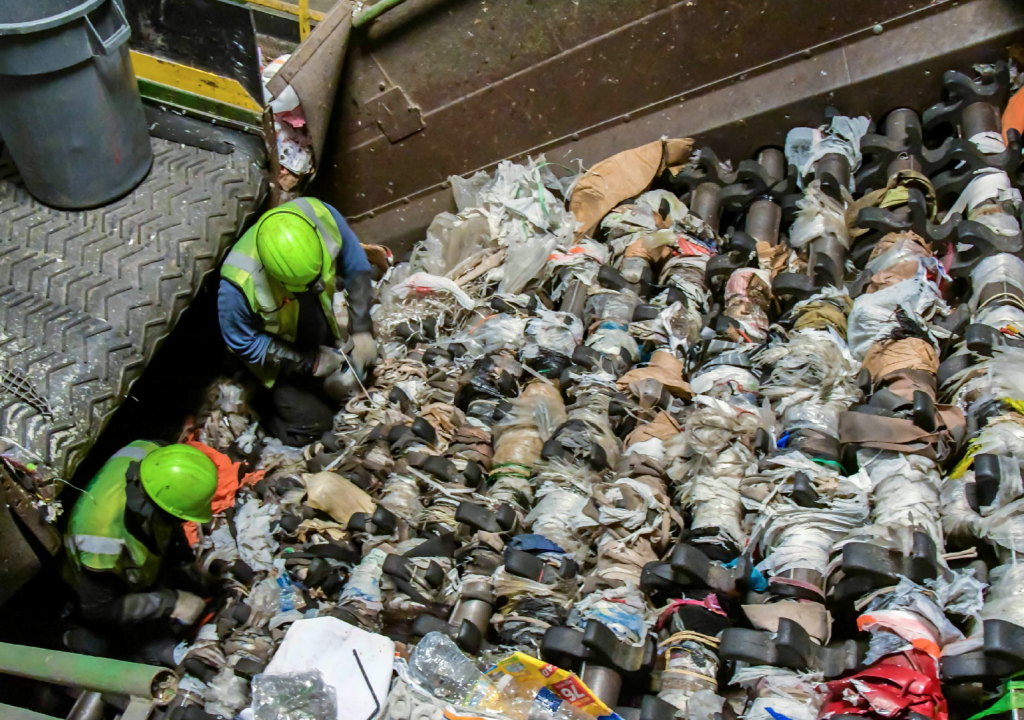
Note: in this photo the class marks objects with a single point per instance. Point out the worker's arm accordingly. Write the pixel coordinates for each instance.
(104, 600)
(243, 332)
(355, 271)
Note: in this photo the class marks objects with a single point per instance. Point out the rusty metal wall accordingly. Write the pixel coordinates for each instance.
(443, 87)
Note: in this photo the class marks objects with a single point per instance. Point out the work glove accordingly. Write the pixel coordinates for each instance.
(327, 361)
(364, 353)
(187, 608)
(290, 360)
(360, 298)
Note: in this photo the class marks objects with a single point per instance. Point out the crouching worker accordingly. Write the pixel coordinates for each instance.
(275, 306)
(127, 555)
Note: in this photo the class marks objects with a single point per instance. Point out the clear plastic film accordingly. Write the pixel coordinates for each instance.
(226, 694)
(612, 307)
(1005, 374)
(823, 419)
(401, 495)
(1000, 270)
(777, 691)
(805, 146)
(530, 607)
(990, 185)
(301, 696)
(799, 538)
(580, 263)
(686, 274)
(623, 610)
(520, 435)
(905, 491)
(1005, 599)
(688, 679)
(747, 296)
(1001, 317)
(812, 380)
(551, 515)
(913, 613)
(725, 378)
(874, 315)
(715, 498)
(709, 460)
(819, 216)
(905, 247)
(362, 591)
(256, 543)
(557, 331)
(451, 240)
(494, 333)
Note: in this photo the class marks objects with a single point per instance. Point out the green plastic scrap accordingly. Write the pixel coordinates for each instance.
(1012, 699)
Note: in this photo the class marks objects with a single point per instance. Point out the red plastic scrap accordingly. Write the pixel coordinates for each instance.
(894, 687)
(229, 479)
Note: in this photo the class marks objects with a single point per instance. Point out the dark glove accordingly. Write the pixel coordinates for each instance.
(292, 361)
(360, 298)
(145, 606)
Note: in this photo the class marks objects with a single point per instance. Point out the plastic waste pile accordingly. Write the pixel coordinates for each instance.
(721, 443)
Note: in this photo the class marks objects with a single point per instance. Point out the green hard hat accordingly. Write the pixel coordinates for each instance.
(181, 480)
(289, 248)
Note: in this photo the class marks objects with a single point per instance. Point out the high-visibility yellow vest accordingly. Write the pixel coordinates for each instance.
(267, 297)
(97, 538)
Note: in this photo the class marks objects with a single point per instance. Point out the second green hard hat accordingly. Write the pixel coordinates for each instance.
(181, 480)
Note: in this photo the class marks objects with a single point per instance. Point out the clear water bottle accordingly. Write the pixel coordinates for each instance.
(286, 589)
(438, 665)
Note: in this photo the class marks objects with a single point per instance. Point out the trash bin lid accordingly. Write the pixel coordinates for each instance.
(17, 18)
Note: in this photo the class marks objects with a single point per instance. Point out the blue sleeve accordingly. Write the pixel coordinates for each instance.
(352, 259)
(241, 327)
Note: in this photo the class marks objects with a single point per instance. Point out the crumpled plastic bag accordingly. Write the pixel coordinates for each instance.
(819, 216)
(300, 696)
(805, 146)
(451, 240)
(874, 316)
(422, 283)
(256, 543)
(623, 610)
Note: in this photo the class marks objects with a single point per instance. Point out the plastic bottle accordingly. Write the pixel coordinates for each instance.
(286, 588)
(439, 665)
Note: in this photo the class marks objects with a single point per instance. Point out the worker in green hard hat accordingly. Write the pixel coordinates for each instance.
(121, 539)
(275, 306)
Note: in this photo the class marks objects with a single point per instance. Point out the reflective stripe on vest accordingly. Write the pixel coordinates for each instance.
(97, 538)
(326, 234)
(129, 451)
(96, 544)
(268, 298)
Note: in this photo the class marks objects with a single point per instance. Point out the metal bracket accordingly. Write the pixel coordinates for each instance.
(395, 114)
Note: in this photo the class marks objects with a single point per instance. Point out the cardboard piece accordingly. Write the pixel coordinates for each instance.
(889, 356)
(812, 617)
(663, 426)
(336, 496)
(664, 367)
(773, 258)
(621, 177)
(313, 72)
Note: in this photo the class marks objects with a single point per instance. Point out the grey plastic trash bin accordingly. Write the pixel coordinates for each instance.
(70, 112)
